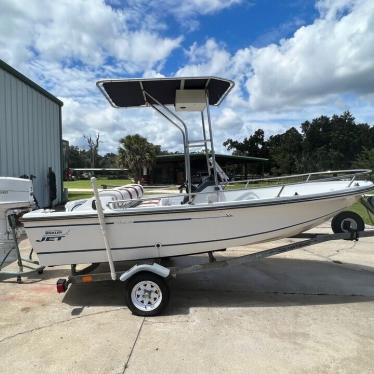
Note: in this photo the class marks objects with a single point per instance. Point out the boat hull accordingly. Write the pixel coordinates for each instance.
(141, 235)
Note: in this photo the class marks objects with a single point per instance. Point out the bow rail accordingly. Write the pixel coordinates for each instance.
(308, 176)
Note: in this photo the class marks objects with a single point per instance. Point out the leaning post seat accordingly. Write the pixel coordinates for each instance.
(126, 192)
(131, 191)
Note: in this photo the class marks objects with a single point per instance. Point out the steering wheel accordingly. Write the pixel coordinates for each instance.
(185, 186)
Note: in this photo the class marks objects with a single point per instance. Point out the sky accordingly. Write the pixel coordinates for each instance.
(291, 60)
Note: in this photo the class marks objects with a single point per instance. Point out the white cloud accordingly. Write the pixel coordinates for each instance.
(184, 12)
(66, 46)
(208, 59)
(86, 32)
(182, 9)
(334, 55)
(97, 116)
(324, 68)
(200, 6)
(142, 50)
(230, 120)
(332, 9)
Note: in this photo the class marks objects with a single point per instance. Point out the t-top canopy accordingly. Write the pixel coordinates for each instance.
(130, 92)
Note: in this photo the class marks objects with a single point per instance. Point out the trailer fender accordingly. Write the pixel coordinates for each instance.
(153, 268)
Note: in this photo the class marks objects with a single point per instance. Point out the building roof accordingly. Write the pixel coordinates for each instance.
(99, 169)
(180, 156)
(130, 92)
(29, 82)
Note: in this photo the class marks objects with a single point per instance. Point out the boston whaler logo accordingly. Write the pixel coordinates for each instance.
(53, 236)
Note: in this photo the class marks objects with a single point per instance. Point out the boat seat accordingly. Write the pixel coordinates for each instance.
(126, 192)
(131, 191)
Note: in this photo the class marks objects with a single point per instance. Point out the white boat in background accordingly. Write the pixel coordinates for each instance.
(211, 218)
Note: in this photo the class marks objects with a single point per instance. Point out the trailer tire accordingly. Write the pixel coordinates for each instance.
(370, 201)
(147, 294)
(355, 220)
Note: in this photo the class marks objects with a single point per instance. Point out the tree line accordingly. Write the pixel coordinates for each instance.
(325, 143)
(134, 153)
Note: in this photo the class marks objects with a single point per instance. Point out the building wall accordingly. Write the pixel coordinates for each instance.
(30, 134)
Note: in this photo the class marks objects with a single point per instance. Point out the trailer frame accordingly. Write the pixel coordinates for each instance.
(86, 275)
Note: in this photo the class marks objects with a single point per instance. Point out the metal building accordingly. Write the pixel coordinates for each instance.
(30, 132)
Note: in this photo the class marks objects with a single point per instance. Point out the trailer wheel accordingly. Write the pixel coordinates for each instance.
(147, 294)
(370, 200)
(344, 220)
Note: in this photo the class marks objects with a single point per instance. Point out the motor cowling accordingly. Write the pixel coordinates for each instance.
(16, 198)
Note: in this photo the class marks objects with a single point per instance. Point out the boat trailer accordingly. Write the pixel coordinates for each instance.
(147, 291)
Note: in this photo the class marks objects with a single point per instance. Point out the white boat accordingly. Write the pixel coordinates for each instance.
(212, 218)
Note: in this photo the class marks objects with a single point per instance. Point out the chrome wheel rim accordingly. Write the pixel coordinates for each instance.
(146, 295)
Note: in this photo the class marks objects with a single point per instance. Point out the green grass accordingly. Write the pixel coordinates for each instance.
(361, 210)
(87, 183)
(78, 196)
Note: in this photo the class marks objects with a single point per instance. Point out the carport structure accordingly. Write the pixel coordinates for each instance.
(169, 169)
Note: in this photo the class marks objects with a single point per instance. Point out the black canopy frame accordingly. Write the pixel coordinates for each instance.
(159, 93)
(127, 93)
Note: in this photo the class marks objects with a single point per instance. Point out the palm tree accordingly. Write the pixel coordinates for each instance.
(136, 153)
